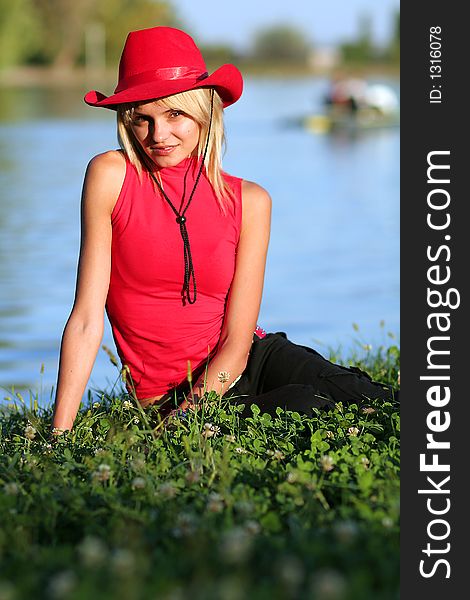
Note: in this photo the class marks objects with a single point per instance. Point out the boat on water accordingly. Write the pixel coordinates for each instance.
(361, 121)
(354, 105)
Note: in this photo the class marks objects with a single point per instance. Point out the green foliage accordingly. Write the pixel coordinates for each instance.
(392, 51)
(218, 54)
(19, 31)
(281, 43)
(121, 16)
(361, 49)
(52, 32)
(209, 506)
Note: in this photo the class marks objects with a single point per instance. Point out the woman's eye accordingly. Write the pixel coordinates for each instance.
(138, 119)
(176, 113)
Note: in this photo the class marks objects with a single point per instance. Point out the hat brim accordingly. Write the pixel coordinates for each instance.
(227, 81)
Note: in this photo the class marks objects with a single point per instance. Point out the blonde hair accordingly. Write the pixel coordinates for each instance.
(197, 105)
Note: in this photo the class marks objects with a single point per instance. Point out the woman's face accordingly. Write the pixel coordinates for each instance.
(165, 134)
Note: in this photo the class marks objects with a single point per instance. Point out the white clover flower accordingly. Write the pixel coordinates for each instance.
(100, 451)
(11, 488)
(210, 430)
(244, 507)
(136, 420)
(103, 473)
(230, 587)
(61, 584)
(137, 463)
(138, 483)
(127, 405)
(365, 462)
(329, 584)
(215, 503)
(327, 463)
(252, 527)
(235, 545)
(92, 551)
(291, 571)
(241, 450)
(223, 376)
(292, 477)
(185, 525)
(278, 455)
(387, 522)
(47, 448)
(353, 431)
(330, 435)
(30, 432)
(231, 438)
(168, 490)
(7, 591)
(122, 561)
(192, 476)
(345, 531)
(368, 410)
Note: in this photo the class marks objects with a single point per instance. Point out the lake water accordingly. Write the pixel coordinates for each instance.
(334, 252)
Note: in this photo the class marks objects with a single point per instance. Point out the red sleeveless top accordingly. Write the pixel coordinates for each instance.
(155, 334)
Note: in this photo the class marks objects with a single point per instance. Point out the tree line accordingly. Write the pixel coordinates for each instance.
(64, 34)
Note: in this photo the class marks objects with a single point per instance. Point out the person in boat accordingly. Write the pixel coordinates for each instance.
(353, 95)
(346, 95)
(174, 249)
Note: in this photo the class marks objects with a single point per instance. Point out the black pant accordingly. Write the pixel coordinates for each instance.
(297, 378)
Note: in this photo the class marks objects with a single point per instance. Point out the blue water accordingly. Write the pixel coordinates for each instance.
(334, 252)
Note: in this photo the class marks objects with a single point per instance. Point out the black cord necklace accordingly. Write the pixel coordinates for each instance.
(189, 276)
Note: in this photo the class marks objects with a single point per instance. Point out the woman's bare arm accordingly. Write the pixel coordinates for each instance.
(245, 294)
(84, 328)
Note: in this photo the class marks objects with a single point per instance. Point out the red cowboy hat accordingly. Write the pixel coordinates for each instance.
(162, 61)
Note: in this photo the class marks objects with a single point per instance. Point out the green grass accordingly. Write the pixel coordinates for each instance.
(215, 507)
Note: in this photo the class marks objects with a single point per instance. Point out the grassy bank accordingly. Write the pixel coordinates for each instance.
(211, 507)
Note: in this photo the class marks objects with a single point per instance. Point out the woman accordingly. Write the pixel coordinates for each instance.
(175, 250)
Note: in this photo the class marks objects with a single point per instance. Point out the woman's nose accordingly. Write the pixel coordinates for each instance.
(160, 131)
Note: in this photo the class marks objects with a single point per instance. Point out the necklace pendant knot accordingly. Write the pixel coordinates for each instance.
(180, 219)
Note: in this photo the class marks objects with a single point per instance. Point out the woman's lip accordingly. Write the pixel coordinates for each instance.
(163, 150)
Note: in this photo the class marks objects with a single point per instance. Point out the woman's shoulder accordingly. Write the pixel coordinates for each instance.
(256, 195)
(254, 190)
(105, 176)
(249, 189)
(107, 169)
(108, 164)
(256, 205)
